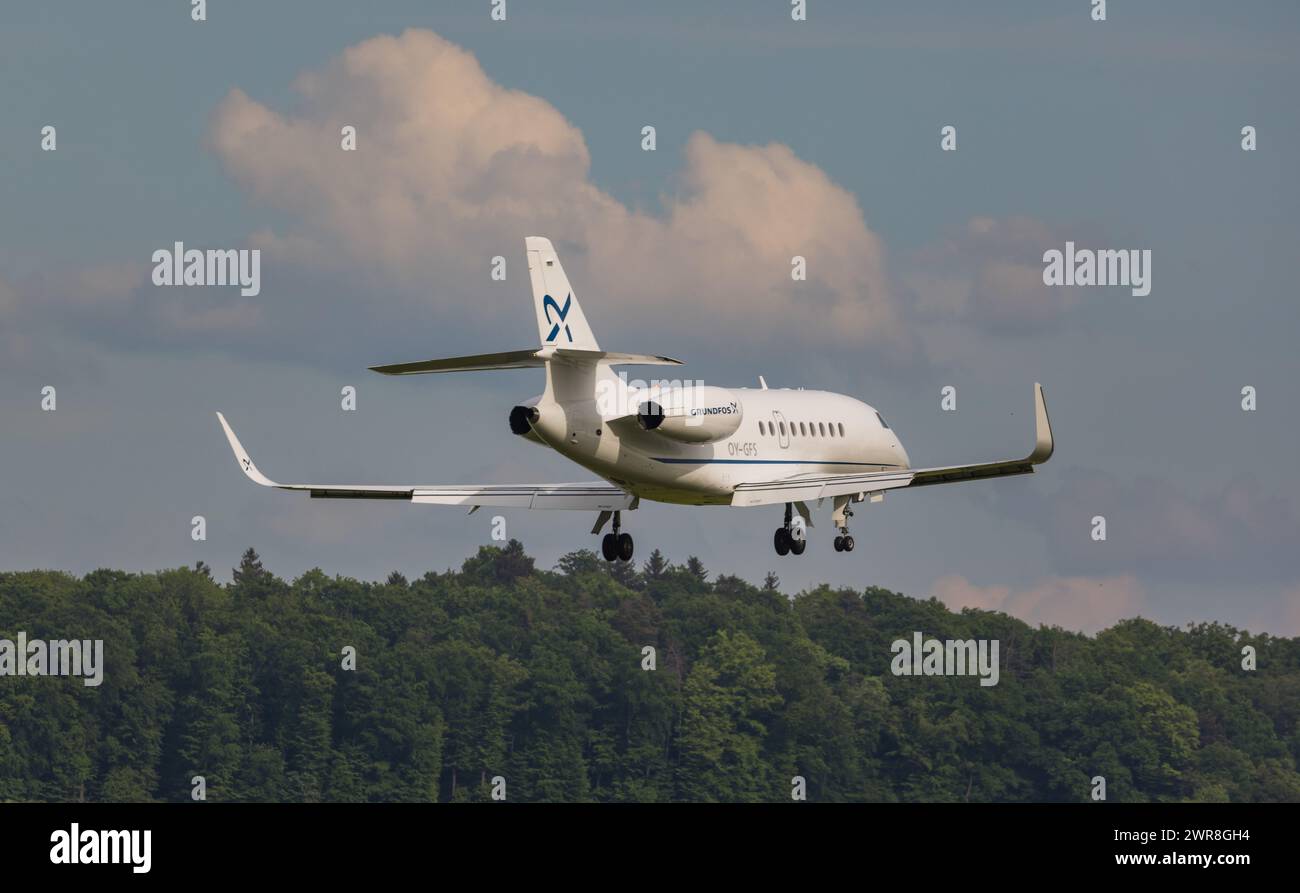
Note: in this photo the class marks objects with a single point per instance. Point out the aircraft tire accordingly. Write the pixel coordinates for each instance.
(781, 540)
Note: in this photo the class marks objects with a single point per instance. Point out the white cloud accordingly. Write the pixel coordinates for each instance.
(452, 168)
(1086, 604)
(989, 274)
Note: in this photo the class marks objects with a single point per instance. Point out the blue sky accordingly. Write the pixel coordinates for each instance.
(1122, 134)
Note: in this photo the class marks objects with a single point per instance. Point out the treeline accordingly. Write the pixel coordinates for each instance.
(503, 670)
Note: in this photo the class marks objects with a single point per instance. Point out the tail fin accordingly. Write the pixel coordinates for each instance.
(560, 320)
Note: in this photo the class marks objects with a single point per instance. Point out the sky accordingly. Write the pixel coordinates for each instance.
(773, 138)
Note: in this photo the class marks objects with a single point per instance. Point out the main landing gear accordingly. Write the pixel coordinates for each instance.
(789, 538)
(617, 546)
(792, 537)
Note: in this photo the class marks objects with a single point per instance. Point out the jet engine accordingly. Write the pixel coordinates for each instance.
(692, 415)
(522, 420)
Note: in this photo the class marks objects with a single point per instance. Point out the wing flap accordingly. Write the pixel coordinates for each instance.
(577, 497)
(810, 488)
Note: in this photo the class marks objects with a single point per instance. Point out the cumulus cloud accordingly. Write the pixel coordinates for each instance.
(989, 274)
(1085, 604)
(381, 253)
(1288, 619)
(452, 168)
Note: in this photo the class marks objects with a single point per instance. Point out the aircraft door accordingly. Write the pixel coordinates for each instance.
(782, 432)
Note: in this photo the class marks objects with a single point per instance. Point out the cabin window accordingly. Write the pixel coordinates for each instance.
(783, 429)
(841, 424)
(883, 423)
(760, 428)
(821, 427)
(803, 431)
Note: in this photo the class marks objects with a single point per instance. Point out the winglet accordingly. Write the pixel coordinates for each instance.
(241, 456)
(1044, 444)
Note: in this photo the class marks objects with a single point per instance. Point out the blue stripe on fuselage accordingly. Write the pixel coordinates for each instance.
(668, 461)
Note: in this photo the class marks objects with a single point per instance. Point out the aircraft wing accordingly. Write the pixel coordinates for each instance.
(809, 487)
(594, 496)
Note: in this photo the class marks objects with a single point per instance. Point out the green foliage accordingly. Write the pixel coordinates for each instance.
(501, 669)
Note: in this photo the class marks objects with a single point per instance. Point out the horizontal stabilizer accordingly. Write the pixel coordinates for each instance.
(510, 359)
(524, 359)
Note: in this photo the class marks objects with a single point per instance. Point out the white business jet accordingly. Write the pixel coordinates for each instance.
(677, 442)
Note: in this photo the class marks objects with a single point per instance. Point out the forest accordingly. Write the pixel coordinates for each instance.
(615, 682)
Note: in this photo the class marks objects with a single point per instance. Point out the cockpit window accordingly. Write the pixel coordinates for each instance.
(883, 423)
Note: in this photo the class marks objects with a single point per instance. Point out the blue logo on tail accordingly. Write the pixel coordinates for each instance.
(547, 303)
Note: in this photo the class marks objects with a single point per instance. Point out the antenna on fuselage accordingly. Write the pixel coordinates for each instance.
(762, 382)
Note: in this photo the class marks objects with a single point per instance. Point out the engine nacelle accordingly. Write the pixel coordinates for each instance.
(522, 420)
(692, 415)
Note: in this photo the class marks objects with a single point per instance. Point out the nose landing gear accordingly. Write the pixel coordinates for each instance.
(843, 542)
(617, 546)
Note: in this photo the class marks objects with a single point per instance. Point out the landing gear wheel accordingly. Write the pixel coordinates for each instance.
(782, 541)
(609, 546)
(797, 546)
(848, 544)
(625, 547)
(839, 544)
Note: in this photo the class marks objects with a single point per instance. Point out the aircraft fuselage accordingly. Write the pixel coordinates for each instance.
(782, 433)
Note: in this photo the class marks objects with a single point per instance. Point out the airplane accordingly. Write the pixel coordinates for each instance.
(674, 442)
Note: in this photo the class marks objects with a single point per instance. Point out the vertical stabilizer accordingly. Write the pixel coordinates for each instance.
(560, 320)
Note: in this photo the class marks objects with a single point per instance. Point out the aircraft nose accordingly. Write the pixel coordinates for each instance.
(901, 454)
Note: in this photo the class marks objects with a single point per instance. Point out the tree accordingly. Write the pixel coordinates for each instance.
(655, 566)
(624, 572)
(583, 561)
(342, 690)
(250, 581)
(730, 698)
(250, 568)
(499, 565)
